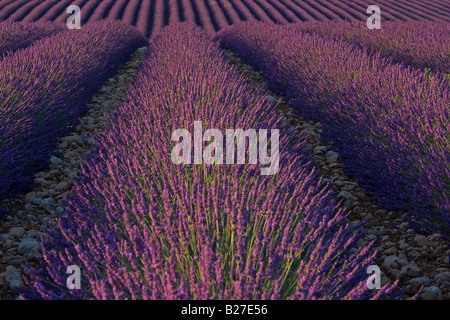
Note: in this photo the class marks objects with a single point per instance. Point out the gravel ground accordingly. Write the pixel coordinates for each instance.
(416, 260)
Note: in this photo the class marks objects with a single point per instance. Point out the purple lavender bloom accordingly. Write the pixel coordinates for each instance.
(16, 35)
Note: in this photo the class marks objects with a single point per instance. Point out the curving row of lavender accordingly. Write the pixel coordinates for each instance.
(44, 89)
(150, 16)
(15, 35)
(421, 44)
(405, 9)
(141, 227)
(390, 122)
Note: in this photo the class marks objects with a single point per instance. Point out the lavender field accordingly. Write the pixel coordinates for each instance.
(224, 150)
(150, 16)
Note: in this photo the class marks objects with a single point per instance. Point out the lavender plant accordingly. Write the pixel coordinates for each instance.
(158, 18)
(117, 9)
(39, 10)
(421, 44)
(174, 11)
(188, 11)
(4, 3)
(217, 15)
(131, 11)
(52, 13)
(143, 20)
(141, 227)
(89, 8)
(23, 10)
(303, 14)
(16, 35)
(45, 88)
(101, 10)
(10, 7)
(389, 122)
(204, 16)
(243, 10)
(273, 11)
(229, 11)
(256, 11)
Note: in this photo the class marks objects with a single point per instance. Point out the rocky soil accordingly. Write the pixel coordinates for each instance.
(417, 261)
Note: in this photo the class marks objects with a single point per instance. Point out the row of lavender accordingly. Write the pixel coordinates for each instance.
(404, 9)
(423, 45)
(389, 122)
(141, 227)
(45, 88)
(15, 35)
